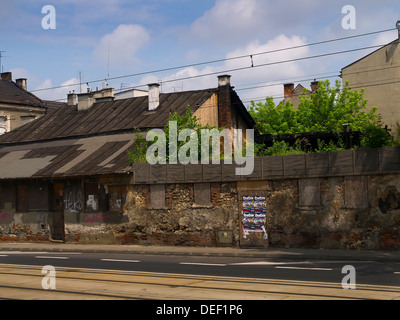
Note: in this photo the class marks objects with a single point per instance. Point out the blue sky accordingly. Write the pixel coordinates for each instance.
(122, 37)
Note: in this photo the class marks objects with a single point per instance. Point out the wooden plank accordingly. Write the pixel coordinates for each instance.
(158, 173)
(317, 164)
(257, 173)
(294, 166)
(341, 163)
(367, 161)
(212, 173)
(175, 173)
(390, 160)
(193, 173)
(272, 167)
(141, 173)
(229, 172)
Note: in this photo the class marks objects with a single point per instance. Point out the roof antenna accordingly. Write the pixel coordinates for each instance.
(108, 60)
(80, 82)
(1, 56)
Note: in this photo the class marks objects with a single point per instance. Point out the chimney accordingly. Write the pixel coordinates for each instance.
(22, 83)
(398, 27)
(224, 80)
(224, 102)
(288, 90)
(88, 99)
(154, 96)
(72, 99)
(314, 86)
(85, 101)
(6, 76)
(104, 95)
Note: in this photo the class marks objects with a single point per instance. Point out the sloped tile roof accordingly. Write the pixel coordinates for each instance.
(11, 93)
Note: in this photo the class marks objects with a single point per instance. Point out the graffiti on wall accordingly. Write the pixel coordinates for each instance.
(254, 216)
(91, 203)
(92, 218)
(74, 201)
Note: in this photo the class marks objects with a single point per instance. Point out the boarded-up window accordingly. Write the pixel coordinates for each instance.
(91, 197)
(157, 196)
(38, 198)
(73, 197)
(27, 119)
(116, 195)
(309, 192)
(22, 198)
(202, 194)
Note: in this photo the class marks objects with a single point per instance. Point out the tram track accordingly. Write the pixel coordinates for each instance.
(24, 282)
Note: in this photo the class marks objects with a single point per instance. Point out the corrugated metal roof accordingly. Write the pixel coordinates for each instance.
(68, 142)
(106, 117)
(65, 158)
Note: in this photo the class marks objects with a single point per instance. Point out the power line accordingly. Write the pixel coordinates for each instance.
(276, 83)
(224, 60)
(264, 65)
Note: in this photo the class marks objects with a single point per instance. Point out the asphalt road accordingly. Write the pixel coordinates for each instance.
(373, 273)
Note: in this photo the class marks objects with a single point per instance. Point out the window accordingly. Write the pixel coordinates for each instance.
(3, 125)
(27, 119)
(32, 196)
(116, 196)
(22, 197)
(91, 196)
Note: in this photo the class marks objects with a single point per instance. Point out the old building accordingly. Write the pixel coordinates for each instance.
(69, 169)
(292, 94)
(378, 74)
(17, 105)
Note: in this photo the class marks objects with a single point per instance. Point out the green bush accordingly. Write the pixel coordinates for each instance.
(326, 110)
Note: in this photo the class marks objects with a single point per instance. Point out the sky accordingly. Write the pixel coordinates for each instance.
(127, 42)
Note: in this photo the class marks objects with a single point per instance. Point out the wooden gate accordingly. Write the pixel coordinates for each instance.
(58, 229)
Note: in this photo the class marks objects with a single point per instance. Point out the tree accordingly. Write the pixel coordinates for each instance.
(137, 154)
(327, 109)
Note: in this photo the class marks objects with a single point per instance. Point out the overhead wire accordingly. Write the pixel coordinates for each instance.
(226, 59)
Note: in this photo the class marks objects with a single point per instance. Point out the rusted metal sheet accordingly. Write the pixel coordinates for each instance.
(67, 158)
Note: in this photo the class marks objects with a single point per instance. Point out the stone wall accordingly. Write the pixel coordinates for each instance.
(16, 227)
(336, 213)
(353, 207)
(172, 214)
(357, 212)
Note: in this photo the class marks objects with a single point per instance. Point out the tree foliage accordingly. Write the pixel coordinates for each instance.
(327, 109)
(137, 154)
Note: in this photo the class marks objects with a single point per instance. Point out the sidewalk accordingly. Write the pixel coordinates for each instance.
(270, 253)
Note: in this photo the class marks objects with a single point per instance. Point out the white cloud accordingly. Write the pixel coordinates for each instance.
(59, 93)
(228, 21)
(122, 44)
(249, 76)
(384, 38)
(237, 21)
